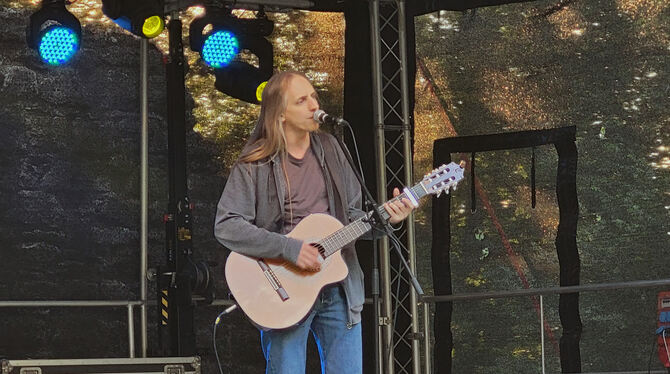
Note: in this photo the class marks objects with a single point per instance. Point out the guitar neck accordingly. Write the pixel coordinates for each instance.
(359, 227)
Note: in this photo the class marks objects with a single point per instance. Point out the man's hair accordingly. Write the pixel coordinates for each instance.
(268, 138)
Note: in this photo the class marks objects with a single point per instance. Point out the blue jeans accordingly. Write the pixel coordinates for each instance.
(340, 346)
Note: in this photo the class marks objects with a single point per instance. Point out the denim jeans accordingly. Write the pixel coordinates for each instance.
(339, 344)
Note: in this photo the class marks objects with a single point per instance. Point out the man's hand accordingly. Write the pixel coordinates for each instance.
(399, 210)
(309, 258)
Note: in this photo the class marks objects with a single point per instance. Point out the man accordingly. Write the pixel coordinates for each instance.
(283, 175)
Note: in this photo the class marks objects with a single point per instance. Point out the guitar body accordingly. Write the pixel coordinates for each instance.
(255, 293)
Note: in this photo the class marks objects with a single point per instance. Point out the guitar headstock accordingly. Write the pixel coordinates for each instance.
(443, 178)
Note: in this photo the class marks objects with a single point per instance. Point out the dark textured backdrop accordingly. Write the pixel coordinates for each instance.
(69, 157)
(69, 182)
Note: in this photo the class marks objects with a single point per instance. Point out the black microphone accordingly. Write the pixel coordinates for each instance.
(322, 117)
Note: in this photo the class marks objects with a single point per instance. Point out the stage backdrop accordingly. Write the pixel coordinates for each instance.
(69, 156)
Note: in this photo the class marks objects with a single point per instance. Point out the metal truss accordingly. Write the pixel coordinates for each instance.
(398, 324)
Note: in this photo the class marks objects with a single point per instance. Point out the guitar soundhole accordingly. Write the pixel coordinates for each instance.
(322, 250)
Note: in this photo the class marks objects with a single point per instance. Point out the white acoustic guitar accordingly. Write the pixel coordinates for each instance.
(276, 294)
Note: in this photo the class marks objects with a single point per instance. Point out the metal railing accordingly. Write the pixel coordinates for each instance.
(87, 304)
(541, 292)
(129, 304)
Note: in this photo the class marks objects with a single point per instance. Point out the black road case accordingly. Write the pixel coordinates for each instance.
(153, 365)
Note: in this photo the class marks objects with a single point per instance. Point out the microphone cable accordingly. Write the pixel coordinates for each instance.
(665, 342)
(393, 323)
(358, 155)
(216, 323)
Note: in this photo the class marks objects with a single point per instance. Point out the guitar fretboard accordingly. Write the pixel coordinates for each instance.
(359, 227)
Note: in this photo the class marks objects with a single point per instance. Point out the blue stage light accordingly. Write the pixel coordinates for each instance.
(57, 45)
(220, 48)
(54, 32)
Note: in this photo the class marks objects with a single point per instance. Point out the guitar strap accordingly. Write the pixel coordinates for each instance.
(332, 165)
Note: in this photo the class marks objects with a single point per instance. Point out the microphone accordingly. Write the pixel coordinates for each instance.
(322, 117)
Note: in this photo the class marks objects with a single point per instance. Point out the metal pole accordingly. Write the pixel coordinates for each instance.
(376, 309)
(386, 349)
(67, 303)
(542, 330)
(426, 339)
(407, 152)
(131, 332)
(179, 224)
(144, 190)
(269, 5)
(547, 291)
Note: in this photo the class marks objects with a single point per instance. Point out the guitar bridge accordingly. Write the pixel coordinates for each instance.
(272, 279)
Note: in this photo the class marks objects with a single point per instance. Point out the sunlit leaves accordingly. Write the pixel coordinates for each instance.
(568, 23)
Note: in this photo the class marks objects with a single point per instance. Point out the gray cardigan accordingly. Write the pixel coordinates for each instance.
(249, 216)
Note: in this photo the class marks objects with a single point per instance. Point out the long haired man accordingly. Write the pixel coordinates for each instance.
(287, 171)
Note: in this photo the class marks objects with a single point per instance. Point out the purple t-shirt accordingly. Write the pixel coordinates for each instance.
(306, 189)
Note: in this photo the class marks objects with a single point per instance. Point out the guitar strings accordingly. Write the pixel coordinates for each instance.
(333, 242)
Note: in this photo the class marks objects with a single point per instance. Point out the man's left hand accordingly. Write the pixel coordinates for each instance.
(399, 209)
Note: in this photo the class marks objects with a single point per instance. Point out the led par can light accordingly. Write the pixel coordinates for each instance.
(54, 33)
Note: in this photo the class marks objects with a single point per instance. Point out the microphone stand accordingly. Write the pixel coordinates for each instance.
(378, 223)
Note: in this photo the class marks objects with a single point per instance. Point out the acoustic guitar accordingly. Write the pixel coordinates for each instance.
(276, 294)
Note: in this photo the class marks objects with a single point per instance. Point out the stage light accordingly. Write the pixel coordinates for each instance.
(220, 37)
(54, 32)
(142, 18)
(214, 36)
(153, 26)
(242, 81)
(220, 48)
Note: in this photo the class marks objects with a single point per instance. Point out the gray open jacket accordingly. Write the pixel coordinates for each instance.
(249, 217)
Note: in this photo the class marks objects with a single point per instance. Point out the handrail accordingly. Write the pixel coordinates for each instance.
(129, 304)
(541, 292)
(91, 303)
(69, 303)
(546, 291)
(425, 299)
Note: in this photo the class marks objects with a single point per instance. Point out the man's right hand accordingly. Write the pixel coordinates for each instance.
(309, 258)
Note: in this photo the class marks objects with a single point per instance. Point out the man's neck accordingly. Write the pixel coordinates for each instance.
(297, 143)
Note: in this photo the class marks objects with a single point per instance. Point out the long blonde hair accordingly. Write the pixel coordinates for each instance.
(268, 138)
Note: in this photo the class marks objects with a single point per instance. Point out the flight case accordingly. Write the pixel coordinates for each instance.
(153, 365)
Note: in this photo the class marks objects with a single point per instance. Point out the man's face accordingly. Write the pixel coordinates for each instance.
(301, 105)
